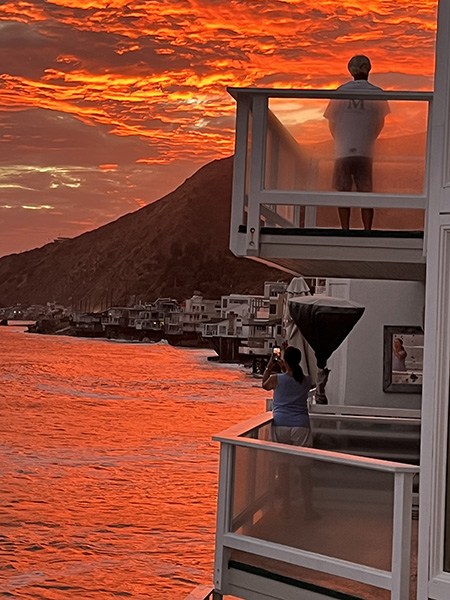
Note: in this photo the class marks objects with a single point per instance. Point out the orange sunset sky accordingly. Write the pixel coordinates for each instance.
(107, 105)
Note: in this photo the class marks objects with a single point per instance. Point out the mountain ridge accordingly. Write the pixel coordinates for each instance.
(169, 247)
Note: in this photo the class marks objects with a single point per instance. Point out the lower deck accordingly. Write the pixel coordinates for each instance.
(255, 577)
(325, 523)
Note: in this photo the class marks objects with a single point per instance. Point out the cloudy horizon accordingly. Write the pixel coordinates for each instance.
(107, 105)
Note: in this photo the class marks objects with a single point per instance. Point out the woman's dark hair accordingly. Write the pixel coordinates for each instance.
(399, 339)
(293, 356)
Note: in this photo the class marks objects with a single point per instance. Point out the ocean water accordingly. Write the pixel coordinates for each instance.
(108, 472)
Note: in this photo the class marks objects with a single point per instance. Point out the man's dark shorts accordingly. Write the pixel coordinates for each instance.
(351, 169)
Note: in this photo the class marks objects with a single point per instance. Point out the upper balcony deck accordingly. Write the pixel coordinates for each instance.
(285, 210)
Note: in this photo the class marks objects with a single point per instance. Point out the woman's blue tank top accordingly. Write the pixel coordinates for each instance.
(290, 408)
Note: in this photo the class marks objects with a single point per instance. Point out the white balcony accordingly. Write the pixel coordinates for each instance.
(298, 522)
(284, 210)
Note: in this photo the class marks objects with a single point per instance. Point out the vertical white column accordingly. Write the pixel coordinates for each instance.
(310, 216)
(426, 189)
(313, 184)
(239, 170)
(435, 437)
(222, 554)
(435, 371)
(257, 164)
(401, 542)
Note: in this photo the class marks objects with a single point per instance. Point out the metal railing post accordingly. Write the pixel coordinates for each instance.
(203, 592)
(257, 169)
(401, 538)
(310, 216)
(240, 174)
(225, 492)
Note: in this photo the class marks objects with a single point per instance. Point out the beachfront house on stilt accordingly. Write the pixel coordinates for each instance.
(378, 476)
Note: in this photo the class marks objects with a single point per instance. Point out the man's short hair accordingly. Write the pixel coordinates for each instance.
(359, 65)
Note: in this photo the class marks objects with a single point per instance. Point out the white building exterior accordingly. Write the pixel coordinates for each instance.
(238, 304)
(357, 365)
(253, 319)
(359, 543)
(197, 310)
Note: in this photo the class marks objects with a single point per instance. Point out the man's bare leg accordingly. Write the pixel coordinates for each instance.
(344, 217)
(367, 218)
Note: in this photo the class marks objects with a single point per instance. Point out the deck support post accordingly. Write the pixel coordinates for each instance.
(257, 172)
(222, 554)
(401, 539)
(240, 175)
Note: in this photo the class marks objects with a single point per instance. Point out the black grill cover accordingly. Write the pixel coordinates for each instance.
(324, 322)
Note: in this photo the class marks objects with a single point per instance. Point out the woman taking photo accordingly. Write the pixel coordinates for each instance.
(399, 356)
(290, 395)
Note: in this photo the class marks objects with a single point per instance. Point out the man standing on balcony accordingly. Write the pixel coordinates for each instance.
(355, 124)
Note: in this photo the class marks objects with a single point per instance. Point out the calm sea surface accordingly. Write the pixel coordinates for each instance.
(108, 472)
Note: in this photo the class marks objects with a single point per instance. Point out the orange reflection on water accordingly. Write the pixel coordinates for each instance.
(108, 470)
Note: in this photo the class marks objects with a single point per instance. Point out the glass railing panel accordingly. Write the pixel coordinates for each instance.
(327, 217)
(301, 151)
(250, 490)
(395, 441)
(283, 215)
(335, 510)
(260, 433)
(390, 219)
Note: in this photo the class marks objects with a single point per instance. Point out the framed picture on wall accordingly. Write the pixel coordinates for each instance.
(403, 359)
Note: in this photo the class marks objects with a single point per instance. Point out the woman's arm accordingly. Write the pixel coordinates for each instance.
(269, 381)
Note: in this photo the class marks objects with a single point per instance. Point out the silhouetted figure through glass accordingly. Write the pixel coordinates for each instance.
(355, 124)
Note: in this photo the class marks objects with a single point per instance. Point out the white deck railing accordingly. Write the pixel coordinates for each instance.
(363, 508)
(269, 161)
(202, 592)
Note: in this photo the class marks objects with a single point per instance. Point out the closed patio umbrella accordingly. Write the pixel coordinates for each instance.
(324, 322)
(298, 287)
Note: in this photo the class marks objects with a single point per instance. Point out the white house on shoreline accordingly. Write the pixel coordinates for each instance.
(238, 326)
(249, 326)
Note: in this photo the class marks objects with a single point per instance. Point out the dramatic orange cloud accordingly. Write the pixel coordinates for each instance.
(141, 84)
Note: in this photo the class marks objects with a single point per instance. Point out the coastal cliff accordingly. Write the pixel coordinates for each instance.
(170, 247)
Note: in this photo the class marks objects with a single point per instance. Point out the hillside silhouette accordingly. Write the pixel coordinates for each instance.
(170, 247)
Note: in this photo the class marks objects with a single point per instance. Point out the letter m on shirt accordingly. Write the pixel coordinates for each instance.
(355, 104)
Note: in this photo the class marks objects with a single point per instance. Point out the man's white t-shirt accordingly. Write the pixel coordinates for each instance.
(356, 121)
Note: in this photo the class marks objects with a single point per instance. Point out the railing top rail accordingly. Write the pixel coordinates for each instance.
(246, 426)
(233, 435)
(201, 592)
(328, 94)
(373, 411)
(375, 419)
